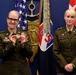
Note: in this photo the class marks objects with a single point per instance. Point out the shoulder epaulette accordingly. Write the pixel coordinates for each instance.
(59, 28)
(1, 32)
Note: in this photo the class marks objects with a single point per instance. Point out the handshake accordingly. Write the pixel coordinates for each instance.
(23, 38)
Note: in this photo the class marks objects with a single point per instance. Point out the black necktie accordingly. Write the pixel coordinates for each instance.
(70, 32)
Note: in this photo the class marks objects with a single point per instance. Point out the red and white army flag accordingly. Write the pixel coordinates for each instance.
(72, 5)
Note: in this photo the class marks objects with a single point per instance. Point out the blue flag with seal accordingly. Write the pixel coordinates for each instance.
(46, 60)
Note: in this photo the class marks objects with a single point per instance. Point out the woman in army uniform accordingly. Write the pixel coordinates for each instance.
(15, 46)
(64, 46)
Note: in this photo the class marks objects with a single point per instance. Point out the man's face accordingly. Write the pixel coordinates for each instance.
(12, 20)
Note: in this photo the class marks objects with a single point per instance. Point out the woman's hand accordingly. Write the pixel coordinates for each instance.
(13, 38)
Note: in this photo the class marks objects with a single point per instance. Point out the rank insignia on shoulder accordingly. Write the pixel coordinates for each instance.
(1, 31)
(60, 28)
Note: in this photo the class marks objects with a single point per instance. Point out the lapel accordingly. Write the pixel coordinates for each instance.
(18, 32)
(73, 32)
(67, 34)
(7, 33)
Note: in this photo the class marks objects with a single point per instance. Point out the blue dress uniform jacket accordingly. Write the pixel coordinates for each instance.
(14, 62)
(64, 47)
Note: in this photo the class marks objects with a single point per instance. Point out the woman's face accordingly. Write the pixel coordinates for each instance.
(69, 19)
(12, 20)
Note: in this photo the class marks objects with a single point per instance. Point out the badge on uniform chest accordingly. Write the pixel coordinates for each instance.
(6, 39)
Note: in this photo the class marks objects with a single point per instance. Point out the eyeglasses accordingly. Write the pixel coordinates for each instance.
(13, 19)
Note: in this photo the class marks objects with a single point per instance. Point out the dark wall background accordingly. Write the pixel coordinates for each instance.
(5, 7)
(58, 8)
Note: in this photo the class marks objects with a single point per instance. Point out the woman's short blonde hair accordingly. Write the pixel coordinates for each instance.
(71, 12)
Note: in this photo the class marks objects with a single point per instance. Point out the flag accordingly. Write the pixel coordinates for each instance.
(21, 7)
(46, 60)
(46, 26)
(72, 5)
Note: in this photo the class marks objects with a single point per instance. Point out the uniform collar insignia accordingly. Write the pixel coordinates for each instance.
(63, 34)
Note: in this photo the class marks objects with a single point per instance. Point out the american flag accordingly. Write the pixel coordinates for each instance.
(21, 8)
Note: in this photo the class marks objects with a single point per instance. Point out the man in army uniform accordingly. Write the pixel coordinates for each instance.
(15, 46)
(64, 46)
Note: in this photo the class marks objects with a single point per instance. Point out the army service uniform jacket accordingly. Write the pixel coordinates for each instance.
(64, 47)
(14, 62)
